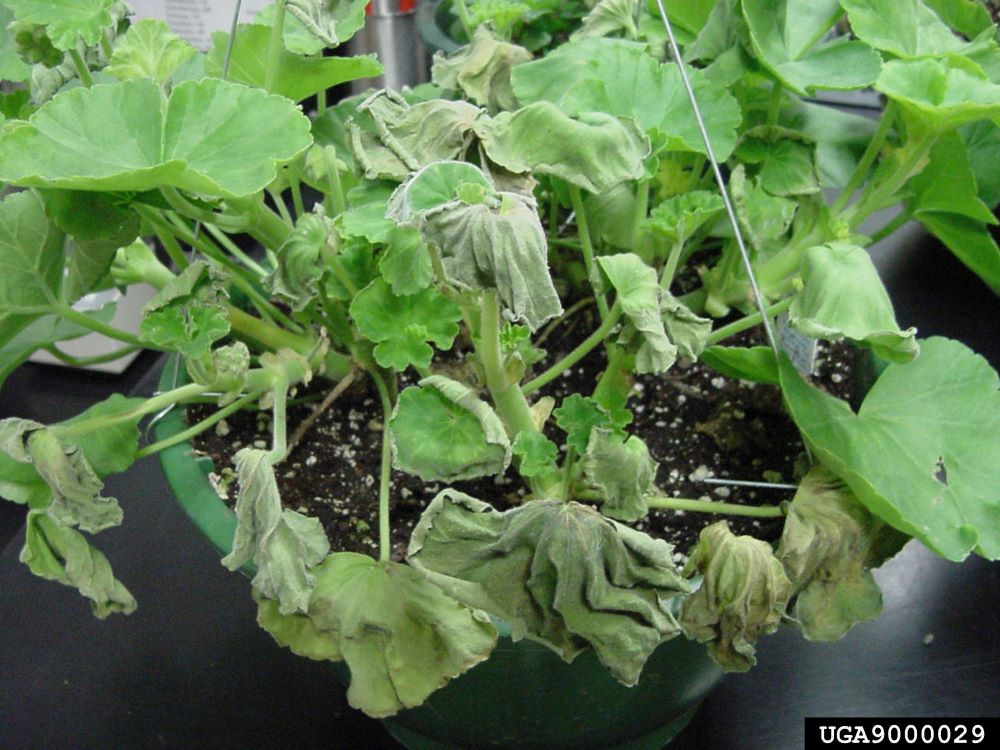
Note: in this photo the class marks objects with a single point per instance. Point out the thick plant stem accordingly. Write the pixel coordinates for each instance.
(81, 68)
(744, 324)
(275, 47)
(880, 194)
(581, 351)
(97, 359)
(385, 476)
(670, 269)
(197, 429)
(279, 423)
(640, 214)
(587, 247)
(75, 316)
(464, 18)
(271, 337)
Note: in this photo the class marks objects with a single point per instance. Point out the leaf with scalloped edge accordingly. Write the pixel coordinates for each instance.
(903, 28)
(624, 472)
(481, 70)
(149, 49)
(66, 21)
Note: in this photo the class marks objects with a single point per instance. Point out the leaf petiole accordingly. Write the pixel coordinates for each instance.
(743, 324)
(699, 506)
(385, 475)
(197, 428)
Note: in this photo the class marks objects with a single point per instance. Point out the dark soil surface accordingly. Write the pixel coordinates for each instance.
(698, 425)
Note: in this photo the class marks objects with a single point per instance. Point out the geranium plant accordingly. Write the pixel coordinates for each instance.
(424, 239)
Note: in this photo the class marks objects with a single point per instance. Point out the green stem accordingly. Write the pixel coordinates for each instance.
(774, 103)
(296, 184)
(464, 18)
(106, 47)
(670, 270)
(233, 249)
(333, 178)
(640, 213)
(169, 243)
(270, 337)
(880, 195)
(320, 102)
(275, 47)
(744, 324)
(587, 247)
(81, 68)
(582, 350)
(860, 173)
(279, 203)
(198, 428)
(385, 475)
(699, 506)
(563, 242)
(97, 359)
(184, 207)
(821, 31)
(553, 216)
(149, 406)
(75, 316)
(279, 423)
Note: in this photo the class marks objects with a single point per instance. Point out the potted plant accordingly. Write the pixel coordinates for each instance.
(458, 229)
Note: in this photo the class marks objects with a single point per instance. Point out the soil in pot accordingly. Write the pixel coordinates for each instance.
(698, 425)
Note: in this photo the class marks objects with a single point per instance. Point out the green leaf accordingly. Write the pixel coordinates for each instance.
(594, 151)
(982, 140)
(970, 241)
(536, 453)
(578, 417)
(609, 17)
(828, 546)
(298, 76)
(688, 332)
(844, 296)
(481, 70)
(402, 326)
(406, 262)
(391, 138)
(680, 216)
(623, 471)
(498, 243)
(922, 450)
(756, 364)
(301, 261)
(188, 315)
(904, 28)
(31, 257)
(12, 67)
(441, 431)
(116, 137)
(937, 94)
(620, 78)
(332, 22)
(947, 184)
(66, 21)
(638, 293)
(968, 17)
(57, 553)
(401, 636)
(742, 595)
(783, 38)
(764, 217)
(556, 572)
(284, 545)
(788, 160)
(149, 50)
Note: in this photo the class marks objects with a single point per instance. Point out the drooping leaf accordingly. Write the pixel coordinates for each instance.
(61, 554)
(31, 258)
(688, 332)
(536, 453)
(920, 451)
(638, 293)
(828, 546)
(402, 326)
(116, 137)
(498, 243)
(401, 636)
(109, 448)
(624, 472)
(904, 28)
(301, 257)
(756, 364)
(620, 78)
(331, 22)
(391, 138)
(842, 295)
(188, 314)
(783, 37)
(594, 151)
(680, 216)
(556, 572)
(481, 70)
(283, 544)
(970, 241)
(442, 431)
(66, 21)
(938, 94)
(298, 76)
(947, 184)
(742, 596)
(149, 49)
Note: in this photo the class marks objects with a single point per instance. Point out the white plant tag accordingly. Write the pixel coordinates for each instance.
(195, 20)
(801, 350)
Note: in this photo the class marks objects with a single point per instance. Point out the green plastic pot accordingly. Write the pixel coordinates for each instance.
(524, 697)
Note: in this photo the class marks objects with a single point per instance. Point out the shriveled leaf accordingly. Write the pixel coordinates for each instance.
(680, 216)
(61, 554)
(624, 472)
(922, 450)
(331, 22)
(301, 257)
(31, 258)
(594, 151)
(688, 332)
(117, 137)
(535, 452)
(828, 546)
(756, 364)
(843, 296)
(283, 544)
(432, 188)
(638, 293)
(481, 70)
(403, 327)
(441, 431)
(66, 21)
(299, 76)
(557, 572)
(903, 28)
(149, 50)
(401, 636)
(742, 596)
(108, 448)
(224, 370)
(783, 37)
(188, 314)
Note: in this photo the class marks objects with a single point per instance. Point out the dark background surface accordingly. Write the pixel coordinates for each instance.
(191, 669)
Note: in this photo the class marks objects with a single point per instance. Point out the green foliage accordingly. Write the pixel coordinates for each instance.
(536, 453)
(481, 70)
(623, 471)
(66, 21)
(756, 363)
(556, 572)
(302, 261)
(12, 67)
(188, 315)
(149, 50)
(578, 417)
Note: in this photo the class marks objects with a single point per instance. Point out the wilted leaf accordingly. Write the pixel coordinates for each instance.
(481, 70)
(332, 22)
(401, 636)
(742, 596)
(556, 572)
(623, 471)
(609, 17)
(921, 450)
(688, 332)
(844, 296)
(301, 261)
(224, 370)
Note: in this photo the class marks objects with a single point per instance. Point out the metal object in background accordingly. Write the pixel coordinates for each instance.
(390, 32)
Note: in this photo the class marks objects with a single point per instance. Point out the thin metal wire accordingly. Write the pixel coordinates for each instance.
(232, 39)
(748, 483)
(710, 152)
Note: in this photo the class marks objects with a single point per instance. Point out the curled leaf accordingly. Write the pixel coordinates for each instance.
(537, 454)
(401, 636)
(559, 573)
(680, 216)
(608, 17)
(188, 314)
(743, 594)
(224, 370)
(301, 261)
(332, 22)
(622, 469)
(578, 417)
(481, 70)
